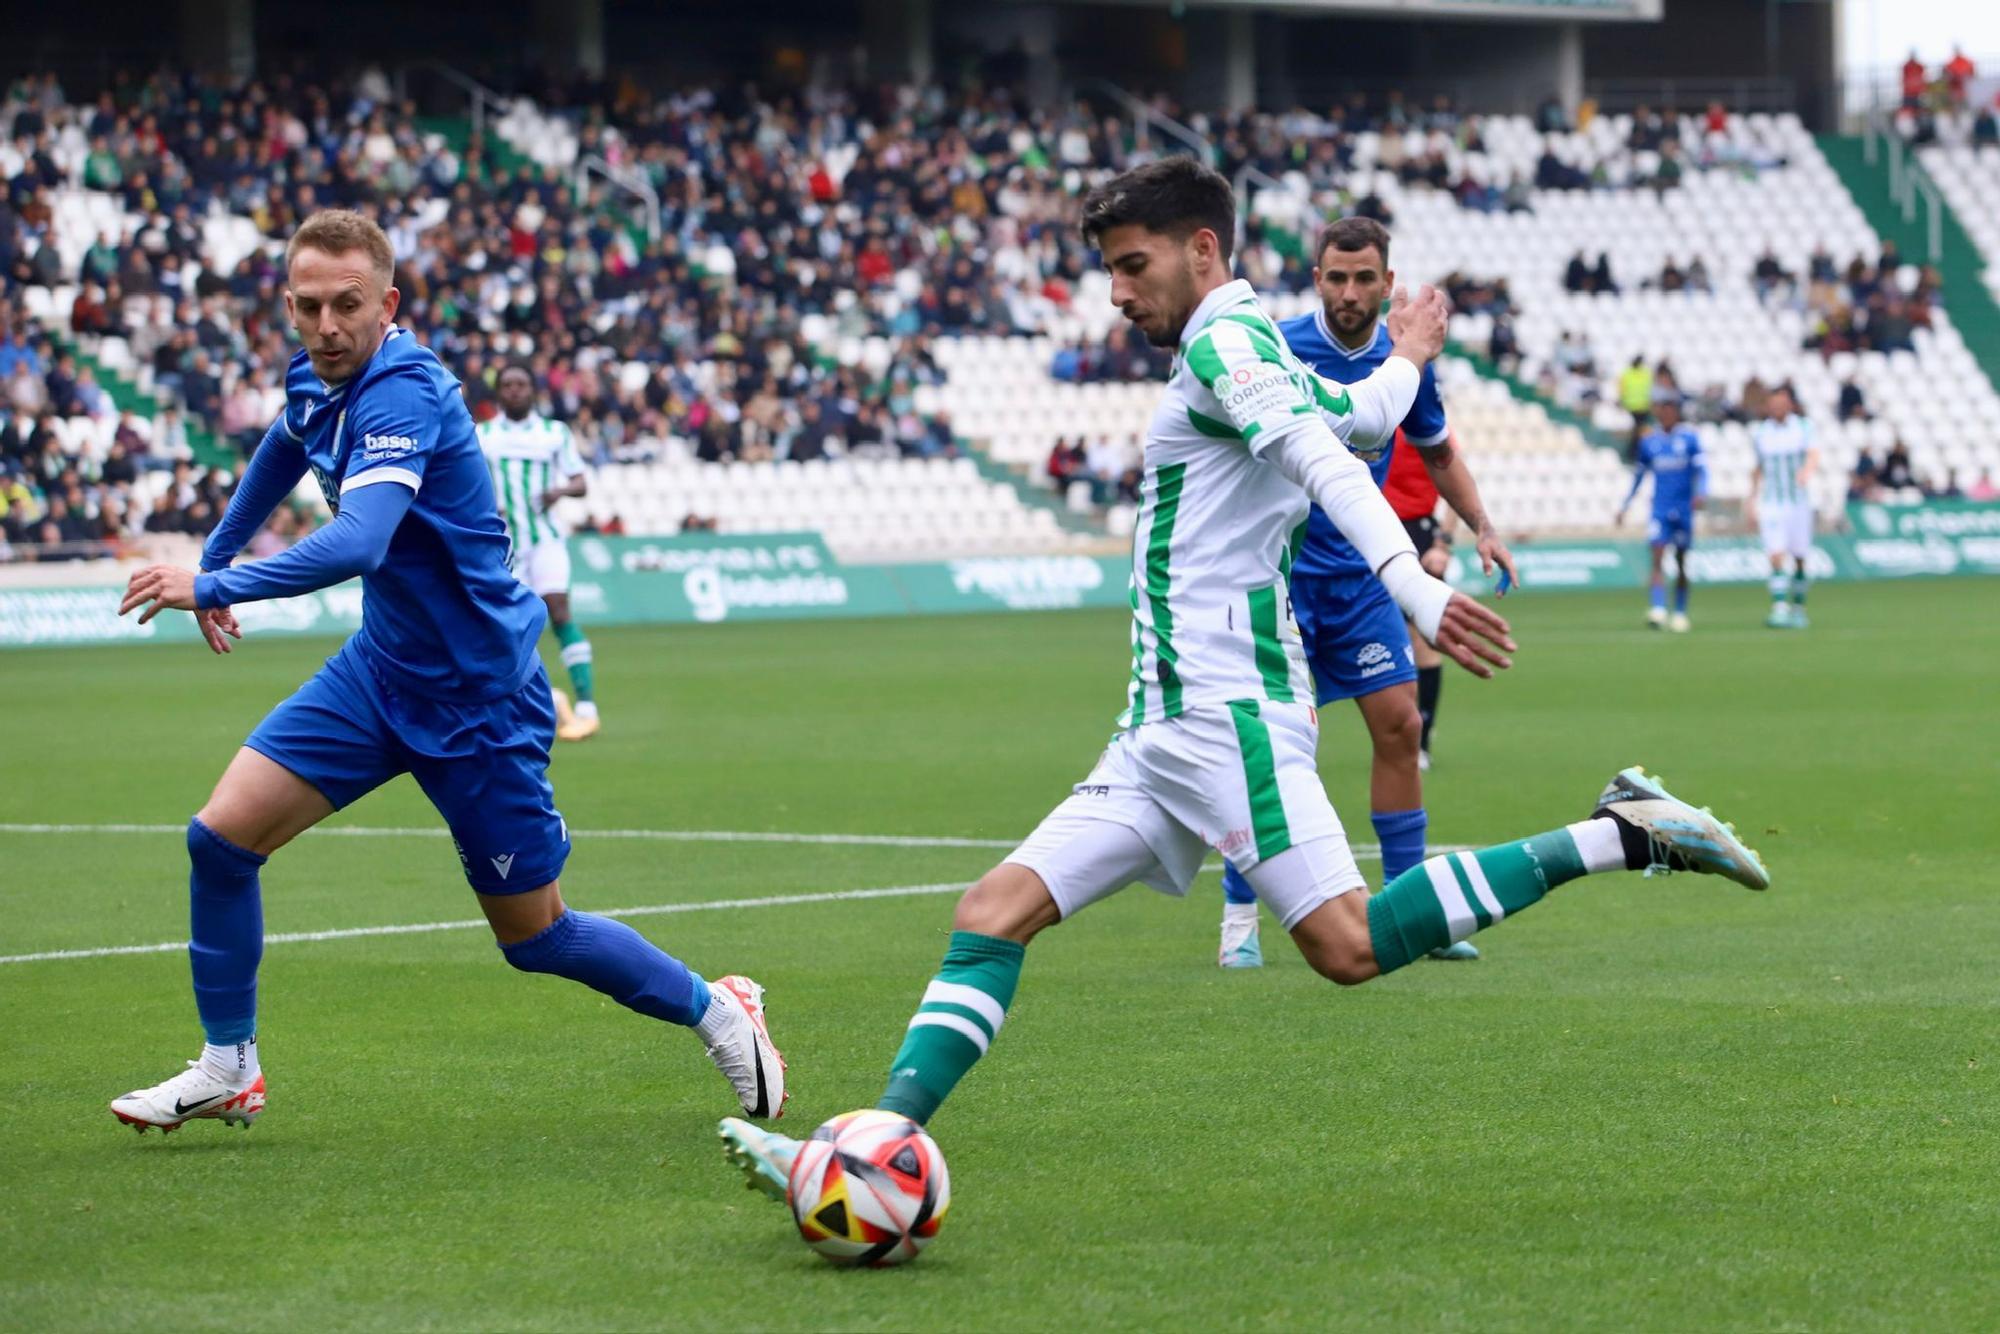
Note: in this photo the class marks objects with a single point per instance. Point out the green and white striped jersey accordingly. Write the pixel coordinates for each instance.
(527, 458)
(1781, 453)
(1218, 525)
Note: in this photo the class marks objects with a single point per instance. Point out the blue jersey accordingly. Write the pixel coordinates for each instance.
(1680, 474)
(1325, 551)
(442, 615)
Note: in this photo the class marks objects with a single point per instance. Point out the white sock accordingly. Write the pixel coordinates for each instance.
(1239, 912)
(234, 1061)
(586, 708)
(715, 1018)
(1598, 843)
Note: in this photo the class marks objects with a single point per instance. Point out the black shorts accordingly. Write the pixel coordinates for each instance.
(1423, 531)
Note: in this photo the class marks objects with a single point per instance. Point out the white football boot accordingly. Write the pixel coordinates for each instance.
(741, 1046)
(191, 1095)
(1240, 946)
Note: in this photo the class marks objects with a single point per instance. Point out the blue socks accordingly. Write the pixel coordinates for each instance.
(225, 934)
(1680, 597)
(608, 956)
(1235, 889)
(226, 943)
(1401, 834)
(1659, 595)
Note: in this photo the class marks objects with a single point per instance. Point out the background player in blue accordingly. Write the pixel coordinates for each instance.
(1355, 638)
(441, 681)
(1671, 455)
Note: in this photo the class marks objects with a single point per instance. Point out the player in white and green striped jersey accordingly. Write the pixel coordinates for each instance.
(534, 462)
(1781, 502)
(1216, 747)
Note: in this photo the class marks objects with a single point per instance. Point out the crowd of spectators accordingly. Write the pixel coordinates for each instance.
(1873, 479)
(1941, 108)
(1111, 472)
(794, 228)
(1859, 307)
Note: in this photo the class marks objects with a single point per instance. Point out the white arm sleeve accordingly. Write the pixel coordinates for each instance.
(1380, 402)
(1341, 485)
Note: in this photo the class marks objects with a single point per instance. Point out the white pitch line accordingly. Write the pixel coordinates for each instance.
(650, 835)
(1363, 852)
(466, 924)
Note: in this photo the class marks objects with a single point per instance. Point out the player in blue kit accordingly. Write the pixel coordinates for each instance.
(1671, 456)
(1355, 638)
(441, 682)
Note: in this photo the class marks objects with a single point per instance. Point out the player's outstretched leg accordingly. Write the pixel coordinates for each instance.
(226, 919)
(610, 957)
(1240, 948)
(257, 807)
(1396, 789)
(962, 1008)
(1638, 826)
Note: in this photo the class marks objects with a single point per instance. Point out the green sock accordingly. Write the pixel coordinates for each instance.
(961, 1014)
(1798, 590)
(1448, 898)
(576, 657)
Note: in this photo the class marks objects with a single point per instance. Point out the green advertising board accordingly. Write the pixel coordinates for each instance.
(709, 578)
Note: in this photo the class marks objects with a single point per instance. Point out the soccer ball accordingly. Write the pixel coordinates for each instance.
(869, 1188)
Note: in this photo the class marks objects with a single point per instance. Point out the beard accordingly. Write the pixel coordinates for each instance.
(1350, 322)
(1167, 335)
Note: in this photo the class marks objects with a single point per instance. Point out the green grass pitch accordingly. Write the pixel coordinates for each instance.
(1657, 1104)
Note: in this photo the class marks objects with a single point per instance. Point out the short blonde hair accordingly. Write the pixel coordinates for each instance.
(342, 231)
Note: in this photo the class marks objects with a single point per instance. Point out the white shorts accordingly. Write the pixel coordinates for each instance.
(1787, 530)
(1239, 778)
(544, 567)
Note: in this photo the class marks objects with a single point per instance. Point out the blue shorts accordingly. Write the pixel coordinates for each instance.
(485, 766)
(1672, 530)
(1355, 638)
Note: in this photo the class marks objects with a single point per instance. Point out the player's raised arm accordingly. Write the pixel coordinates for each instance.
(1280, 419)
(276, 467)
(392, 433)
(1380, 402)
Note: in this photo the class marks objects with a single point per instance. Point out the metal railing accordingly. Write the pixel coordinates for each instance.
(1909, 183)
(1309, 218)
(628, 179)
(1688, 96)
(483, 99)
(1146, 119)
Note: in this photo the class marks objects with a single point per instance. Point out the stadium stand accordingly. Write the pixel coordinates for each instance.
(1966, 168)
(848, 291)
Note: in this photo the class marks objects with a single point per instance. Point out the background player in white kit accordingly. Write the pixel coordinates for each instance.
(534, 462)
(1780, 502)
